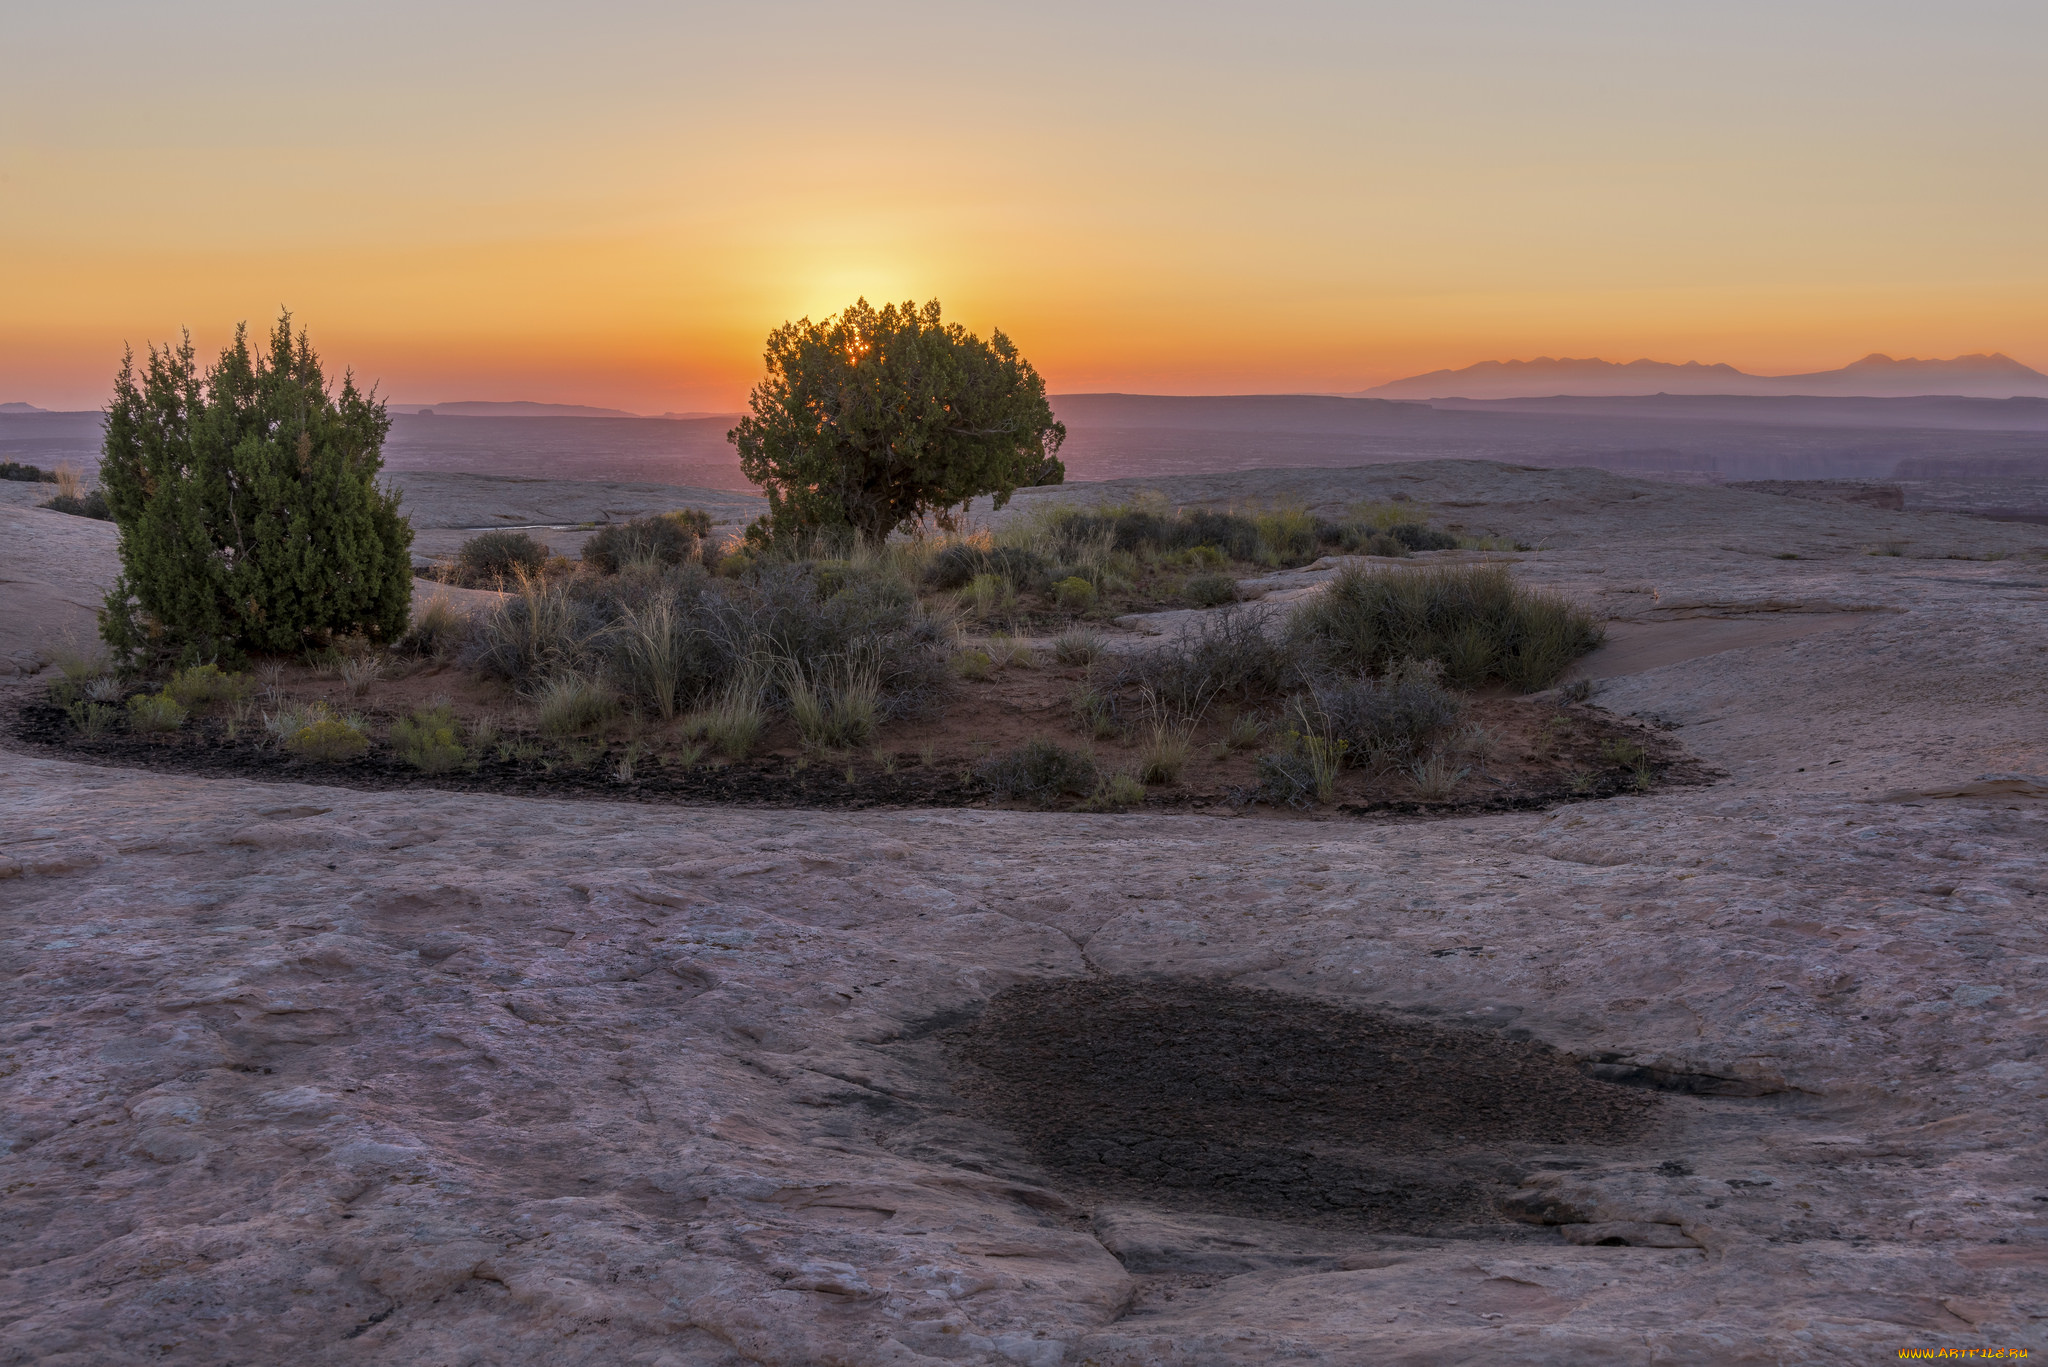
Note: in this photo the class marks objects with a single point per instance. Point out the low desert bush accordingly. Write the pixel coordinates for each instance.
(958, 565)
(430, 740)
(198, 685)
(1074, 594)
(666, 539)
(92, 504)
(1389, 720)
(493, 559)
(569, 704)
(329, 741)
(1210, 590)
(314, 731)
(974, 664)
(1473, 619)
(1286, 779)
(1225, 656)
(26, 474)
(1039, 771)
(150, 713)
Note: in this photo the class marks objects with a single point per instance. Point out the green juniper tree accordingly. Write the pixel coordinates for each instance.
(248, 506)
(870, 420)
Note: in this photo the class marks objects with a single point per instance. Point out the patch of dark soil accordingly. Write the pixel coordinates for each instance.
(203, 748)
(1208, 1096)
(930, 764)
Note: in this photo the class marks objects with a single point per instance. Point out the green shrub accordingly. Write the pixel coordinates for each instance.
(673, 538)
(250, 511)
(959, 564)
(872, 419)
(201, 684)
(974, 664)
(1074, 594)
(1473, 619)
(149, 713)
(26, 474)
(328, 739)
(489, 559)
(1210, 590)
(1287, 536)
(91, 504)
(430, 740)
(1039, 771)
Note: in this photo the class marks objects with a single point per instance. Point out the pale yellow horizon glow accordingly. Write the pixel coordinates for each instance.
(1316, 198)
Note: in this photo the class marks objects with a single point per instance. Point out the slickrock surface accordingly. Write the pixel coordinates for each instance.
(309, 1075)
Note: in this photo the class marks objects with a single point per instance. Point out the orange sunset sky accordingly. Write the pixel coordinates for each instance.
(612, 203)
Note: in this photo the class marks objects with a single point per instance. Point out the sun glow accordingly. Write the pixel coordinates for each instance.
(1357, 193)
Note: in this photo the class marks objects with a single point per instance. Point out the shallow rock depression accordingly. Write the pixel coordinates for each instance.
(1217, 1098)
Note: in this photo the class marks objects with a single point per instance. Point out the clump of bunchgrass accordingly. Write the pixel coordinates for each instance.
(359, 672)
(835, 704)
(93, 719)
(1115, 792)
(733, 723)
(973, 664)
(569, 703)
(1077, 647)
(438, 629)
(1436, 776)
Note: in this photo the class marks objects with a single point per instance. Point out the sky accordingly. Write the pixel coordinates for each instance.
(613, 203)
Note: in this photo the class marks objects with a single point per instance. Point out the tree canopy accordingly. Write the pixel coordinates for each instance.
(248, 505)
(871, 420)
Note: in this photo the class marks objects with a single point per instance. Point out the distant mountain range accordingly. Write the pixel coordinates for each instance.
(510, 408)
(1996, 376)
(21, 408)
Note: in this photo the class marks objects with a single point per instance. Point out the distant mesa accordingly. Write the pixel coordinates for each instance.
(510, 408)
(21, 408)
(1977, 376)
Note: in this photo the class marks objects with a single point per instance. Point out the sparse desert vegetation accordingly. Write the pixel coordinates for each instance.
(814, 667)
